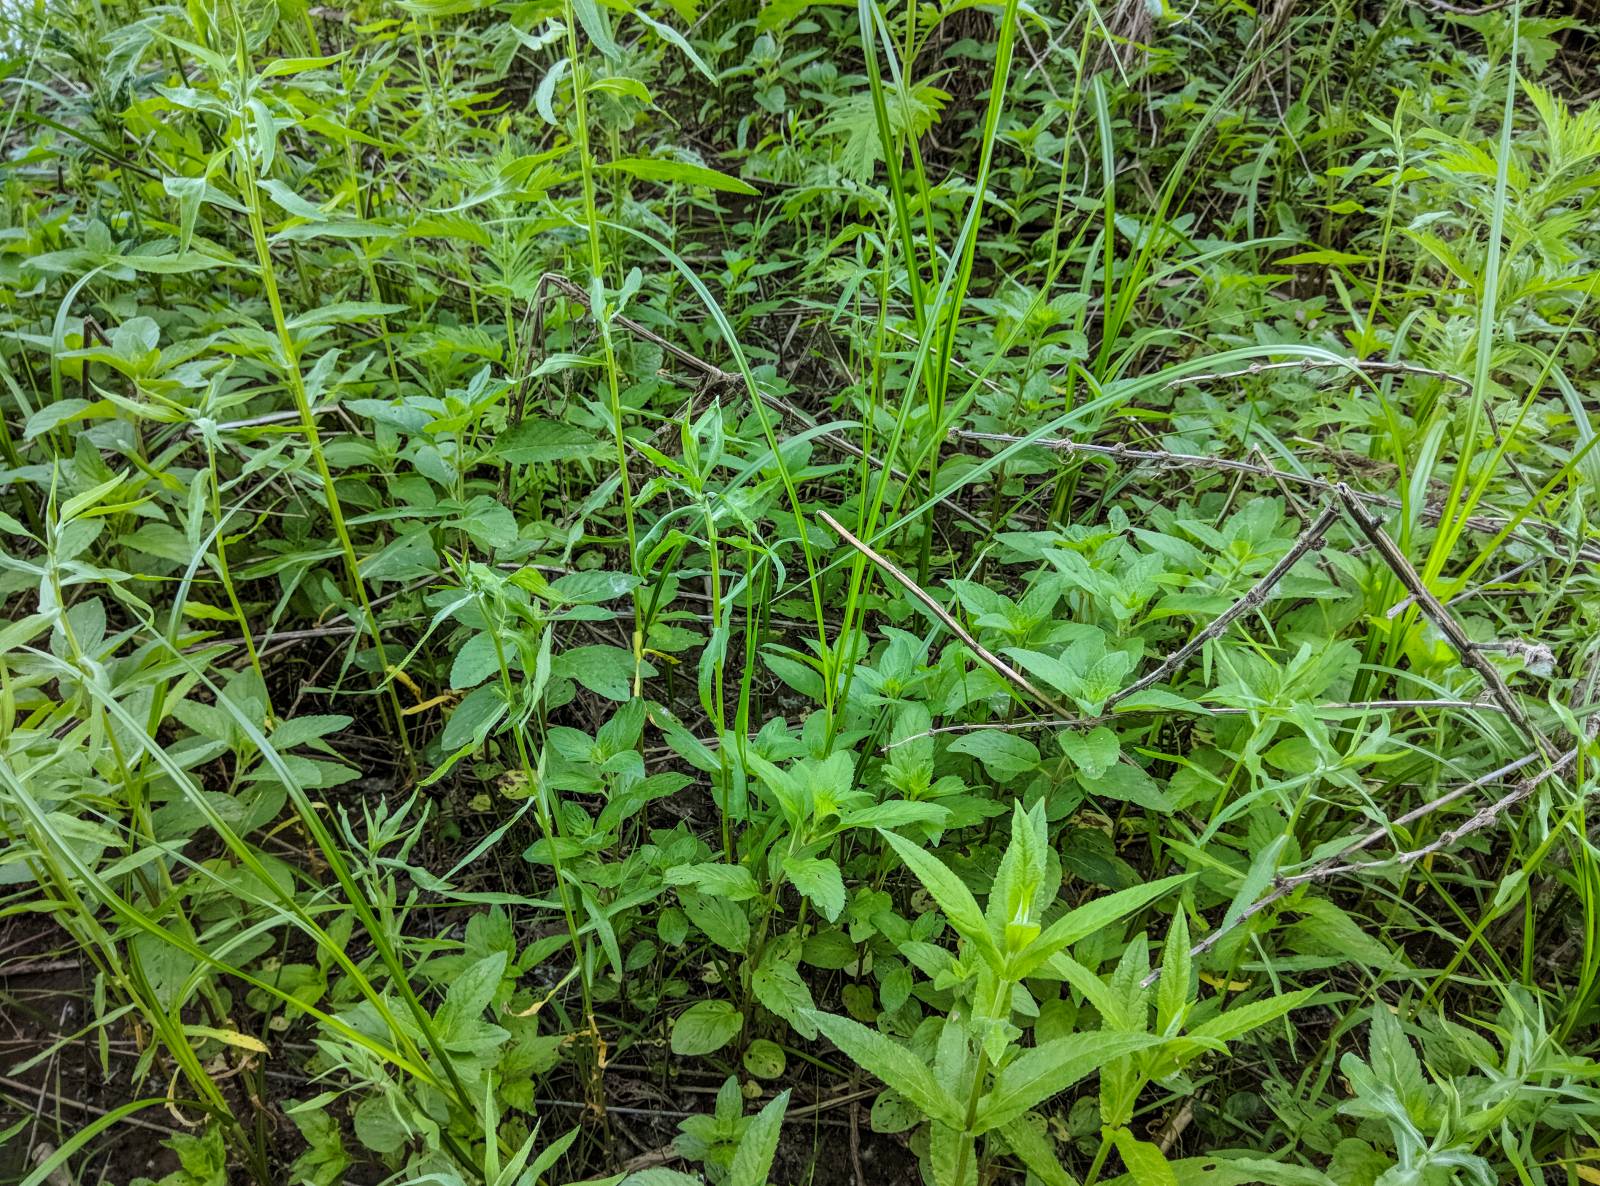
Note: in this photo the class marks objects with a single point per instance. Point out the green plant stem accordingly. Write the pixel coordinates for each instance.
(245, 174)
(224, 572)
(601, 310)
(1099, 1161)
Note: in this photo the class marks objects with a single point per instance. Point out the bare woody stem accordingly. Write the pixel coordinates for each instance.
(1121, 454)
(1444, 620)
(1310, 539)
(1338, 865)
(999, 665)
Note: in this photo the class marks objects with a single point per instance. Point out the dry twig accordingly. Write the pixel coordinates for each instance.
(1336, 865)
(1127, 455)
(1203, 710)
(999, 665)
(1254, 598)
(1444, 620)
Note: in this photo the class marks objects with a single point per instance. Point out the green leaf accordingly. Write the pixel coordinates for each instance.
(1128, 784)
(596, 26)
(753, 1158)
(1047, 1070)
(1089, 918)
(765, 1059)
(1263, 867)
(891, 1062)
(1004, 755)
(472, 719)
(279, 67)
(538, 441)
(721, 921)
(475, 662)
(1241, 1019)
(1172, 991)
(605, 670)
(659, 1175)
(777, 984)
(1147, 1165)
(668, 33)
(732, 883)
(818, 879)
(948, 890)
(470, 993)
(681, 172)
(704, 1027)
(1093, 752)
(1035, 1150)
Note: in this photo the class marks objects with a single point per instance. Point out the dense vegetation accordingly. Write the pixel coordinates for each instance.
(810, 592)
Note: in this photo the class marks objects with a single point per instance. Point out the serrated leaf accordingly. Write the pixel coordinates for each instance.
(704, 1027)
(753, 1158)
(1241, 1019)
(892, 1063)
(1147, 1165)
(1004, 755)
(948, 890)
(1047, 1070)
(818, 879)
(1091, 917)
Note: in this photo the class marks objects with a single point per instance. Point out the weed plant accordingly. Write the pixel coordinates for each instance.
(673, 592)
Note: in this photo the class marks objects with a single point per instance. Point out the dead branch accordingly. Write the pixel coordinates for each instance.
(1480, 819)
(1127, 455)
(1361, 365)
(1463, 10)
(999, 665)
(1201, 710)
(1444, 620)
(1254, 598)
(1335, 865)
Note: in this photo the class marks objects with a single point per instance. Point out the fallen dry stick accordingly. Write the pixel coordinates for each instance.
(1000, 666)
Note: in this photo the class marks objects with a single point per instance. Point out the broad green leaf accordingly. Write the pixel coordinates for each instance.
(1047, 1070)
(948, 890)
(732, 883)
(765, 1059)
(1172, 991)
(753, 1158)
(778, 985)
(1241, 1019)
(596, 26)
(1004, 755)
(681, 172)
(704, 1027)
(818, 879)
(1034, 1148)
(1089, 918)
(1147, 1165)
(892, 1063)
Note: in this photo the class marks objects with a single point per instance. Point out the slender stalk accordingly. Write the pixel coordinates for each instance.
(592, 222)
(244, 173)
(245, 633)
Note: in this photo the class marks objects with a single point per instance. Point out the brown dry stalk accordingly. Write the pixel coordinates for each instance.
(1254, 598)
(1364, 366)
(1285, 884)
(1444, 620)
(1199, 710)
(999, 665)
(1128, 455)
